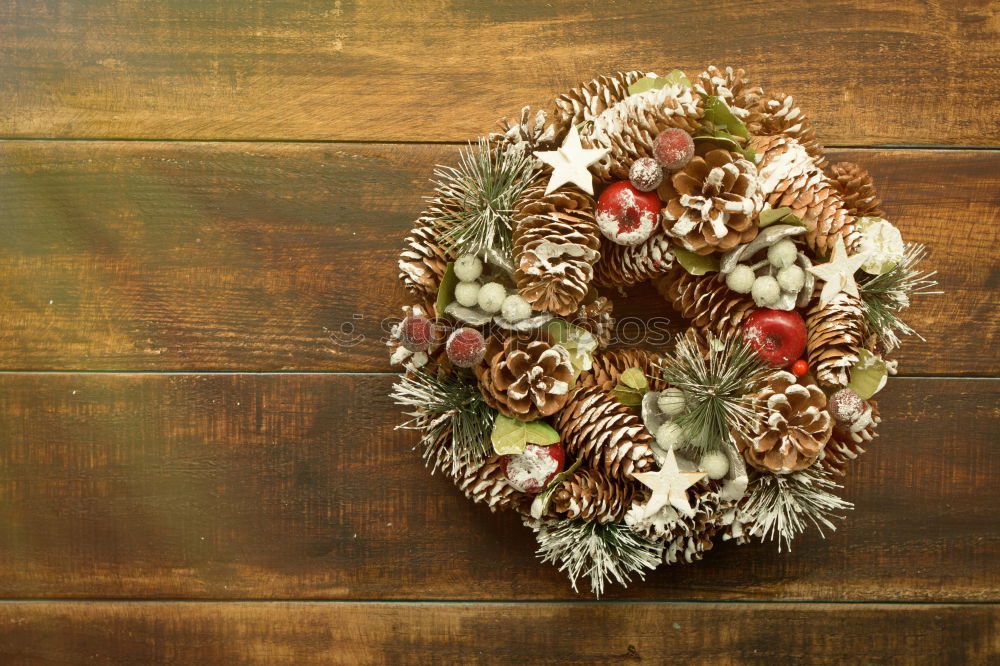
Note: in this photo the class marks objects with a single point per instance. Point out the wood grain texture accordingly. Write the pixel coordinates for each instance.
(891, 72)
(203, 257)
(507, 633)
(297, 487)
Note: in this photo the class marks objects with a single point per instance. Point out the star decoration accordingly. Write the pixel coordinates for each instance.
(669, 486)
(838, 273)
(569, 163)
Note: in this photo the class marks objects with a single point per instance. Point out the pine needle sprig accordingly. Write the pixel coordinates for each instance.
(454, 421)
(599, 552)
(484, 186)
(717, 390)
(885, 296)
(780, 506)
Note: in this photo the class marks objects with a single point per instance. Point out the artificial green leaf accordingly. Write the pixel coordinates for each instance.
(646, 83)
(719, 115)
(642, 85)
(696, 264)
(676, 78)
(634, 378)
(541, 503)
(784, 215)
(868, 375)
(632, 386)
(511, 436)
(729, 142)
(626, 396)
(446, 292)
(557, 329)
(578, 343)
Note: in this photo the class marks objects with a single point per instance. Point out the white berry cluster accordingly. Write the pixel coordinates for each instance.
(780, 274)
(491, 297)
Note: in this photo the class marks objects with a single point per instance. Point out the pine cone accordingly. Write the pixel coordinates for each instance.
(834, 334)
(712, 203)
(846, 443)
(488, 484)
(592, 99)
(529, 133)
(792, 428)
(590, 495)
(778, 115)
(683, 536)
(610, 364)
(706, 301)
(627, 265)
(605, 432)
(596, 318)
(555, 248)
(857, 189)
(525, 378)
(789, 177)
(629, 128)
(731, 87)
(423, 261)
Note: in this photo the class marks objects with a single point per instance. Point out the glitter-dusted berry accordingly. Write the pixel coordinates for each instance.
(465, 347)
(416, 333)
(673, 148)
(645, 174)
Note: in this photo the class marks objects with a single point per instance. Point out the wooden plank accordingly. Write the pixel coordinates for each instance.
(900, 72)
(167, 256)
(552, 633)
(296, 486)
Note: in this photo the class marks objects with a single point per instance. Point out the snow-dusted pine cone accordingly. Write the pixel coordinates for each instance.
(424, 259)
(591, 495)
(834, 335)
(525, 378)
(857, 190)
(847, 442)
(705, 301)
(610, 364)
(592, 98)
(778, 115)
(792, 426)
(530, 132)
(627, 265)
(488, 484)
(712, 203)
(685, 537)
(732, 87)
(596, 317)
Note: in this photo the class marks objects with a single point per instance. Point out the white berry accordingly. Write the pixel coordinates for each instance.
(669, 435)
(791, 278)
(468, 267)
(467, 293)
(765, 291)
(491, 297)
(782, 253)
(740, 279)
(715, 464)
(671, 402)
(515, 308)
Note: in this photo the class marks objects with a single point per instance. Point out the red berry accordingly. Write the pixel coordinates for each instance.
(673, 148)
(778, 336)
(645, 174)
(799, 368)
(626, 215)
(465, 347)
(416, 333)
(532, 470)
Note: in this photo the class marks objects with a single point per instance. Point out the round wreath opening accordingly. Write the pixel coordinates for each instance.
(790, 279)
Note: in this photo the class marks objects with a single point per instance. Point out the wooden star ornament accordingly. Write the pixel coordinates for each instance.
(669, 485)
(569, 163)
(838, 273)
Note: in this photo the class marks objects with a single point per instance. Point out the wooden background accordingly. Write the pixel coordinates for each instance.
(200, 208)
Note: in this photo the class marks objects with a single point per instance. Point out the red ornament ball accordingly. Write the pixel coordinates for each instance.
(465, 347)
(625, 215)
(532, 470)
(778, 336)
(645, 174)
(416, 333)
(800, 368)
(673, 148)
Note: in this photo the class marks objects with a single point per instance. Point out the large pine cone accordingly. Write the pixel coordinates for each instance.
(847, 442)
(525, 378)
(555, 248)
(591, 495)
(605, 432)
(712, 203)
(705, 300)
(734, 89)
(627, 265)
(779, 115)
(609, 365)
(834, 334)
(488, 484)
(857, 189)
(792, 428)
(593, 98)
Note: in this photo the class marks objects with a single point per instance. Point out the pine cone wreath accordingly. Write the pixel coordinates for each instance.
(778, 115)
(857, 190)
(734, 89)
(834, 334)
(712, 203)
(593, 98)
(848, 440)
(605, 432)
(597, 319)
(525, 378)
(628, 265)
(705, 301)
(556, 243)
(792, 426)
(591, 495)
(609, 365)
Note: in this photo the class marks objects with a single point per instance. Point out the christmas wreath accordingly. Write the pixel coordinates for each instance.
(791, 282)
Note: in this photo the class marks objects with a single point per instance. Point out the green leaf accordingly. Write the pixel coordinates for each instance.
(696, 264)
(511, 436)
(446, 292)
(782, 215)
(541, 503)
(634, 378)
(719, 115)
(632, 386)
(578, 343)
(729, 142)
(868, 375)
(674, 78)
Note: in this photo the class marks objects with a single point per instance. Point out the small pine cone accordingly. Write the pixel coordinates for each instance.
(712, 203)
(778, 115)
(525, 378)
(705, 301)
(596, 318)
(591, 495)
(488, 484)
(609, 365)
(834, 334)
(423, 261)
(530, 132)
(556, 243)
(792, 427)
(629, 129)
(729, 85)
(604, 431)
(846, 442)
(592, 99)
(857, 190)
(627, 265)
(684, 537)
